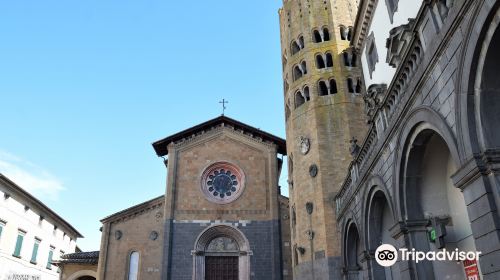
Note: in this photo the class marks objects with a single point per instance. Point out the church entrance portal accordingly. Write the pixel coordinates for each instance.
(221, 253)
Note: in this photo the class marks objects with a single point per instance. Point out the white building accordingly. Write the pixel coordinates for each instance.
(31, 235)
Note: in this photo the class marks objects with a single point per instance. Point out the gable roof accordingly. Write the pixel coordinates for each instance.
(133, 209)
(161, 149)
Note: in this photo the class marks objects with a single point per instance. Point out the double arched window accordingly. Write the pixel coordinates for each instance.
(327, 87)
(297, 45)
(321, 35)
(299, 70)
(354, 88)
(302, 96)
(324, 60)
(350, 58)
(346, 33)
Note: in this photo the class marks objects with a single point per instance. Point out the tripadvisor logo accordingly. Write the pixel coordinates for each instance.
(387, 255)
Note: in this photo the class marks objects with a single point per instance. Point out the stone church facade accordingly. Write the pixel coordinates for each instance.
(222, 214)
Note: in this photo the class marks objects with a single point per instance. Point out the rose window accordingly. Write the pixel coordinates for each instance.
(222, 182)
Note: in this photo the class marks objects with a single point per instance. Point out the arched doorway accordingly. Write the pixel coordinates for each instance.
(352, 252)
(380, 221)
(221, 252)
(83, 275)
(432, 202)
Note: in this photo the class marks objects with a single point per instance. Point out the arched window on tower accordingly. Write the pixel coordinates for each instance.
(320, 63)
(301, 42)
(343, 32)
(322, 88)
(357, 89)
(317, 36)
(299, 99)
(347, 61)
(329, 60)
(350, 85)
(326, 34)
(297, 72)
(333, 86)
(304, 67)
(354, 58)
(307, 97)
(294, 47)
(133, 266)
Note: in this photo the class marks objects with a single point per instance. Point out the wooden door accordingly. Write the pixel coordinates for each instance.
(221, 268)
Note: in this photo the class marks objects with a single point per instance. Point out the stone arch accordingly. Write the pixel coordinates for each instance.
(433, 119)
(352, 250)
(213, 232)
(378, 221)
(82, 273)
(427, 197)
(474, 82)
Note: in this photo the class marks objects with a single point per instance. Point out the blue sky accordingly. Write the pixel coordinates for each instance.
(87, 86)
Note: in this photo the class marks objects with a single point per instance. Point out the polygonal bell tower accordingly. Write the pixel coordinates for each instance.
(324, 110)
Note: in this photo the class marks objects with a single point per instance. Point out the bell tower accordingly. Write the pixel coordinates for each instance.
(324, 111)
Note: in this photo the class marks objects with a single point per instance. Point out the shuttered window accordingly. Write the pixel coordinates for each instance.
(49, 260)
(35, 251)
(19, 244)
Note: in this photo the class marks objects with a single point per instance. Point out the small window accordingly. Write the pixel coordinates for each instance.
(304, 67)
(317, 37)
(320, 63)
(19, 244)
(357, 89)
(329, 60)
(133, 266)
(333, 86)
(34, 253)
(295, 47)
(349, 33)
(307, 97)
(301, 42)
(326, 34)
(322, 88)
(49, 258)
(299, 99)
(350, 85)
(343, 32)
(297, 73)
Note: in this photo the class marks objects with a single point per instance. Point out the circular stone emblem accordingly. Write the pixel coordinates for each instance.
(222, 182)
